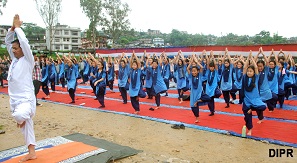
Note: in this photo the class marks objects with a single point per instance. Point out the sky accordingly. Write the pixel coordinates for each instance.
(217, 17)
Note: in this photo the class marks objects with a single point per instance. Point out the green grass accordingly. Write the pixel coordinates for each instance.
(1, 127)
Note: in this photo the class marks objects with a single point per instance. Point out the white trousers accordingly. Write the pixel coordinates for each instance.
(24, 112)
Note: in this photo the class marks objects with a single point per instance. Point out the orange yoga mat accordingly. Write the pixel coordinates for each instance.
(58, 153)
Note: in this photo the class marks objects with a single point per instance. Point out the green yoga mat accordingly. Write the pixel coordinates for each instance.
(114, 151)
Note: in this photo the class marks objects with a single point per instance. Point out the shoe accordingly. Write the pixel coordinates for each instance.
(72, 102)
(166, 94)
(211, 114)
(231, 102)
(103, 106)
(124, 102)
(182, 126)
(151, 109)
(227, 106)
(175, 126)
(38, 104)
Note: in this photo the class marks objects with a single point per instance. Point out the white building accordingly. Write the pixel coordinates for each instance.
(65, 38)
(3, 32)
(158, 42)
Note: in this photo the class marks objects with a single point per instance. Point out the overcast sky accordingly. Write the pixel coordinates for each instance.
(217, 17)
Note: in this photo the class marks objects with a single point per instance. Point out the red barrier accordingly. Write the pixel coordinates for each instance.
(276, 47)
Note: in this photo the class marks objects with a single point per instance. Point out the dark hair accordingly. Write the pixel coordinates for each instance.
(251, 67)
(282, 63)
(101, 64)
(211, 64)
(134, 61)
(240, 62)
(272, 62)
(155, 60)
(16, 41)
(167, 59)
(261, 61)
(195, 67)
(227, 60)
(281, 57)
(289, 65)
(181, 61)
(123, 61)
(253, 78)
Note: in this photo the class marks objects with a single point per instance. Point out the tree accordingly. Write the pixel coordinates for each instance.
(33, 32)
(115, 18)
(2, 5)
(49, 11)
(92, 9)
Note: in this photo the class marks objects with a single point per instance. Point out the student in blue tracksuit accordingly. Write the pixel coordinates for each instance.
(166, 72)
(110, 73)
(204, 64)
(135, 82)
(272, 75)
(158, 84)
(93, 72)
(72, 74)
(282, 73)
(212, 82)
(52, 75)
(226, 80)
(265, 93)
(237, 76)
(45, 78)
(251, 100)
(181, 69)
(124, 70)
(86, 72)
(61, 75)
(289, 78)
(220, 70)
(148, 77)
(100, 83)
(195, 78)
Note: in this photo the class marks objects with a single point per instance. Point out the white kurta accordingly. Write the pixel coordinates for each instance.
(20, 85)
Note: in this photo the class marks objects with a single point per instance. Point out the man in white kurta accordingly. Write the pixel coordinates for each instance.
(20, 84)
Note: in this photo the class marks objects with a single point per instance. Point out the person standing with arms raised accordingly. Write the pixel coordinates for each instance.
(20, 84)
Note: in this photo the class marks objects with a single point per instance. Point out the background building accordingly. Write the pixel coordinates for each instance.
(101, 41)
(3, 32)
(65, 38)
(153, 32)
(158, 42)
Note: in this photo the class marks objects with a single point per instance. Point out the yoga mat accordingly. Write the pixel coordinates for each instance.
(114, 151)
(58, 153)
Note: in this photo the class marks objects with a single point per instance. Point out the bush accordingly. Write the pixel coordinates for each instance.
(3, 51)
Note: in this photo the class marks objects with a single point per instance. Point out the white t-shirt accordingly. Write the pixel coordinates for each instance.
(20, 83)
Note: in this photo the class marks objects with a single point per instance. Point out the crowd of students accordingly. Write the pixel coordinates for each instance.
(261, 81)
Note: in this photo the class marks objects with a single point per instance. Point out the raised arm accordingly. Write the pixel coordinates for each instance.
(246, 63)
(229, 57)
(255, 65)
(199, 64)
(8, 39)
(276, 59)
(190, 63)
